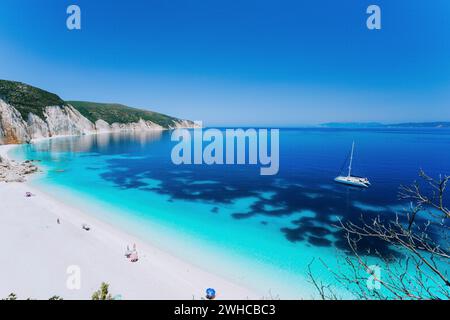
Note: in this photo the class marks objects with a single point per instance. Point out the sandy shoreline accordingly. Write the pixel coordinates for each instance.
(4, 149)
(37, 252)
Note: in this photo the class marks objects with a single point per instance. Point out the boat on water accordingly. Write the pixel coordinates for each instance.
(351, 180)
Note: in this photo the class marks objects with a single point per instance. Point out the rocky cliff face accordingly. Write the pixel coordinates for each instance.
(63, 120)
(12, 127)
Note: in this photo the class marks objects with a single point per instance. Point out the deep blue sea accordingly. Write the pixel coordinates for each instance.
(261, 231)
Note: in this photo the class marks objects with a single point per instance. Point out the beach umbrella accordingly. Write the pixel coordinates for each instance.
(210, 293)
(134, 257)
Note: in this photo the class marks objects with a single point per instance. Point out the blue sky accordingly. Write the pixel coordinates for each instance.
(238, 62)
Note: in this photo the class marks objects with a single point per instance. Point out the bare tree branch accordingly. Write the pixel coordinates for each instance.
(420, 234)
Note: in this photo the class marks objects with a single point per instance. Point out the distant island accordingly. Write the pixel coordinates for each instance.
(367, 125)
(27, 113)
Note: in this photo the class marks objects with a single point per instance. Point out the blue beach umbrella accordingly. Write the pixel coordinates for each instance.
(210, 293)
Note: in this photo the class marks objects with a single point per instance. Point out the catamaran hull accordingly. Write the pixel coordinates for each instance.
(352, 182)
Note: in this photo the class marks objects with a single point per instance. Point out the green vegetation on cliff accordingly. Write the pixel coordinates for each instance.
(26, 98)
(113, 112)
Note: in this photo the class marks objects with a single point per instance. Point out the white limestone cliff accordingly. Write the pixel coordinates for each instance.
(12, 127)
(62, 121)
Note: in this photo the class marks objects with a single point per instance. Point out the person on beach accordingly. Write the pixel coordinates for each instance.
(128, 252)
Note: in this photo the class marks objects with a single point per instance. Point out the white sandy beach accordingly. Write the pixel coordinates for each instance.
(36, 252)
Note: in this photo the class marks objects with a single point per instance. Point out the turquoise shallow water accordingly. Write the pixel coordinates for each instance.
(259, 231)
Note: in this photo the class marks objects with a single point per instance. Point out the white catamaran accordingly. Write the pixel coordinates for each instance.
(353, 180)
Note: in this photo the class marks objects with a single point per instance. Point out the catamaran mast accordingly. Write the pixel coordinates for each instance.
(351, 160)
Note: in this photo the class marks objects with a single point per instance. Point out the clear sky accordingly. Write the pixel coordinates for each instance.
(242, 62)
